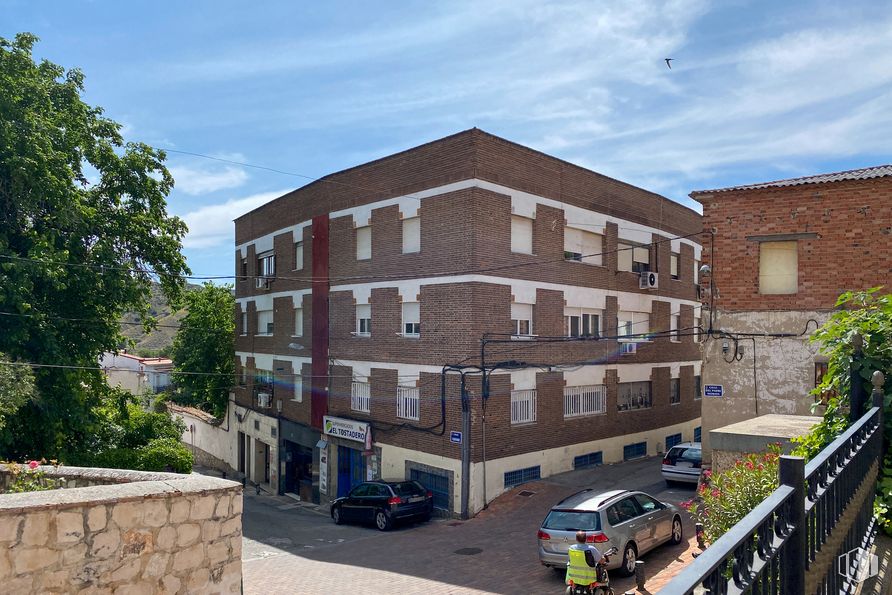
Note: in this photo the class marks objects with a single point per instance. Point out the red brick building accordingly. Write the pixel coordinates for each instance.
(783, 253)
(358, 289)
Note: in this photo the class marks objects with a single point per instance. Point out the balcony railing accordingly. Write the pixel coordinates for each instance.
(523, 406)
(407, 402)
(584, 400)
(360, 397)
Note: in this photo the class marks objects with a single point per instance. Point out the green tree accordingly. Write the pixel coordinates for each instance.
(16, 388)
(205, 343)
(84, 231)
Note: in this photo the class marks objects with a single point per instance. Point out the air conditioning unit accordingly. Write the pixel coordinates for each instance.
(648, 280)
(628, 348)
(263, 400)
(261, 283)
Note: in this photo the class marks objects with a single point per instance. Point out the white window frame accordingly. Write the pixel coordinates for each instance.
(298, 255)
(361, 397)
(779, 268)
(411, 235)
(582, 314)
(364, 242)
(673, 265)
(583, 246)
(582, 401)
(633, 323)
(520, 314)
(266, 264)
(298, 389)
(363, 320)
(674, 321)
(265, 328)
(244, 322)
(408, 402)
(299, 322)
(521, 234)
(412, 319)
(523, 406)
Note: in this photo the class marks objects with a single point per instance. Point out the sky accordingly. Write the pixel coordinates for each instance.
(756, 91)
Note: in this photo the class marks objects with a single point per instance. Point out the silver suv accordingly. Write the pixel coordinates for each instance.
(633, 522)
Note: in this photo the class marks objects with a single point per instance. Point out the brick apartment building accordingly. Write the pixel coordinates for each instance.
(357, 289)
(784, 252)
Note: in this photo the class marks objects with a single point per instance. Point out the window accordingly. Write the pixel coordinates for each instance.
(298, 389)
(411, 319)
(634, 451)
(265, 322)
(673, 328)
(673, 265)
(521, 320)
(298, 322)
(698, 390)
(633, 395)
(674, 391)
(672, 441)
(582, 246)
(584, 400)
(244, 268)
(521, 234)
(519, 476)
(364, 242)
(266, 264)
(624, 257)
(778, 268)
(263, 382)
(641, 259)
(411, 235)
(696, 271)
(298, 256)
(407, 402)
(697, 434)
(523, 406)
(364, 320)
(243, 376)
(631, 324)
(360, 396)
(592, 459)
(244, 323)
(582, 323)
(648, 504)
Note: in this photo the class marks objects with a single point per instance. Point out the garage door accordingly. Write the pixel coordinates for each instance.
(437, 484)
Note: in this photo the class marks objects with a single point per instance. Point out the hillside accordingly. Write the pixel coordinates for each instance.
(160, 338)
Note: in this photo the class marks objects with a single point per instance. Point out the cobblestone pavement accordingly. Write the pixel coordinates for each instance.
(295, 548)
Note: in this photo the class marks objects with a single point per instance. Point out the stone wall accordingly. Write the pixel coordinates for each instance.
(129, 532)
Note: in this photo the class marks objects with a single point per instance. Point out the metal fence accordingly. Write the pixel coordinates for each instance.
(360, 397)
(407, 402)
(798, 539)
(585, 400)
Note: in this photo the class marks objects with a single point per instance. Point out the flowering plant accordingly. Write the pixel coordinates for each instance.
(725, 498)
(30, 478)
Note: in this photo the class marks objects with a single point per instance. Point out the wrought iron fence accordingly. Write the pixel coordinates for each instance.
(792, 543)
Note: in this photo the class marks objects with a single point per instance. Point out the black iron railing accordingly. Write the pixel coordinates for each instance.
(791, 543)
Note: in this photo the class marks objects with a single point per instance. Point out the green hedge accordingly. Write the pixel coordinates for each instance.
(160, 454)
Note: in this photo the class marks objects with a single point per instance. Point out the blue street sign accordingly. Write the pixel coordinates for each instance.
(455, 437)
(713, 390)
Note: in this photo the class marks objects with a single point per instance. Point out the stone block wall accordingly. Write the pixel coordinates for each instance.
(159, 533)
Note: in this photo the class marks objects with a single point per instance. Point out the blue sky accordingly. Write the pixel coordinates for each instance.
(757, 90)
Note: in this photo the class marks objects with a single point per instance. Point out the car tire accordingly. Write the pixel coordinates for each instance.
(670, 483)
(677, 531)
(630, 556)
(336, 515)
(426, 517)
(383, 521)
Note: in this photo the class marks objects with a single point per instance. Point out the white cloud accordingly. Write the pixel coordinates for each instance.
(212, 226)
(195, 181)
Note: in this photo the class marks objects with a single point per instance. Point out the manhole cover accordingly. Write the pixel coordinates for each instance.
(525, 493)
(468, 551)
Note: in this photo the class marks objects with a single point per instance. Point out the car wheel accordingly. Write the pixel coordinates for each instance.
(677, 531)
(670, 483)
(383, 521)
(426, 517)
(336, 515)
(630, 556)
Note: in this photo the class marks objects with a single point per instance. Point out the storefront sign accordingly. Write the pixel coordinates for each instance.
(346, 429)
(323, 470)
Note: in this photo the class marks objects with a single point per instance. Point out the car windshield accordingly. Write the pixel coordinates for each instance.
(407, 488)
(572, 520)
(684, 453)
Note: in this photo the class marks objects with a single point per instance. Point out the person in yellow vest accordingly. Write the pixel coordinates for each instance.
(584, 559)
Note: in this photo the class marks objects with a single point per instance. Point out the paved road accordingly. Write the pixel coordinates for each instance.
(291, 548)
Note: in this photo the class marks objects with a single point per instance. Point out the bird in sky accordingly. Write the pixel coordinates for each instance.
(668, 60)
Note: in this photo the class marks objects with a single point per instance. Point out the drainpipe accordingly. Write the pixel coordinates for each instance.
(465, 449)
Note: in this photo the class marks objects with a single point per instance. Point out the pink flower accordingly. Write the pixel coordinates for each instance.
(761, 466)
(707, 474)
(33, 465)
(716, 493)
(750, 466)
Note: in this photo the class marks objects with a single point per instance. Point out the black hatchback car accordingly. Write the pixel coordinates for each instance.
(384, 503)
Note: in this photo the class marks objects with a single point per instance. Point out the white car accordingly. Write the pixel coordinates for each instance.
(683, 463)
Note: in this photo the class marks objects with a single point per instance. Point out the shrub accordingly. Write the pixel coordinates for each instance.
(30, 478)
(725, 498)
(165, 454)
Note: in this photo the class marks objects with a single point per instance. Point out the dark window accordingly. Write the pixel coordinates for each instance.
(685, 454)
(674, 391)
(698, 390)
(519, 476)
(633, 395)
(408, 488)
(572, 520)
(244, 276)
(697, 434)
(624, 510)
(672, 440)
(592, 459)
(437, 483)
(647, 503)
(634, 451)
(360, 490)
